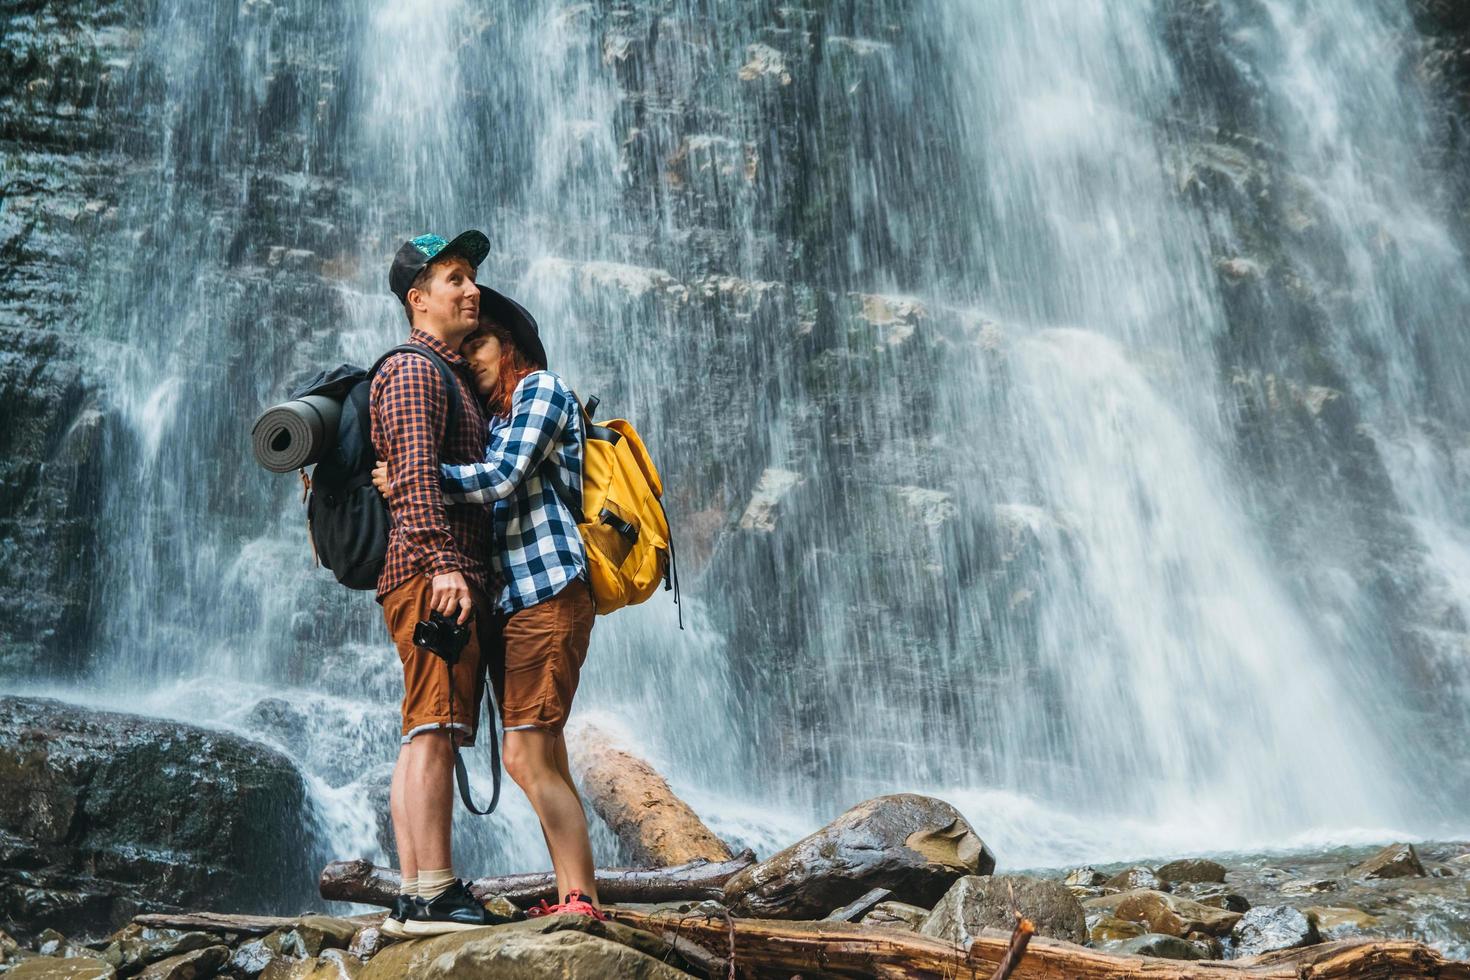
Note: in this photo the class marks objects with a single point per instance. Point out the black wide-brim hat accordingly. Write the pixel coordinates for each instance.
(499, 308)
(414, 254)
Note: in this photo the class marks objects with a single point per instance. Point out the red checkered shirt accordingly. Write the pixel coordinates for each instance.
(409, 409)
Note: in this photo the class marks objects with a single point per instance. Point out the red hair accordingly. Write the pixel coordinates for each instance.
(514, 366)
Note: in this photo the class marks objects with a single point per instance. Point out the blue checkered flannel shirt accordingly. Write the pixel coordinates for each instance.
(536, 548)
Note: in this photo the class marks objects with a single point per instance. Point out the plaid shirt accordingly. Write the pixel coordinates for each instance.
(409, 408)
(538, 548)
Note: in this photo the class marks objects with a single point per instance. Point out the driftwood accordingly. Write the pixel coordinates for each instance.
(658, 828)
(779, 949)
(859, 907)
(245, 925)
(362, 881)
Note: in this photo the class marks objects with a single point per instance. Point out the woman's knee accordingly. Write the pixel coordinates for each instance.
(527, 757)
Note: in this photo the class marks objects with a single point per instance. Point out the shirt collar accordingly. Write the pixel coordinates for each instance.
(437, 346)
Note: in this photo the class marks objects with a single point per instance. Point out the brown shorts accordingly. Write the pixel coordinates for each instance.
(430, 700)
(536, 664)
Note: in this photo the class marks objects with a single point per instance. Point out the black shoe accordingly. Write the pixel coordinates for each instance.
(452, 911)
(405, 907)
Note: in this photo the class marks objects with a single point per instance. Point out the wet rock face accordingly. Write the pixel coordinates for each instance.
(103, 815)
(1193, 870)
(1394, 861)
(1162, 912)
(58, 82)
(1267, 928)
(915, 846)
(974, 903)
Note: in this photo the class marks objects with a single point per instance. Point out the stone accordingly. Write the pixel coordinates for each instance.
(1267, 928)
(1085, 877)
(1214, 895)
(193, 965)
(1308, 886)
(1162, 946)
(1341, 922)
(1394, 861)
(319, 932)
(251, 958)
(915, 846)
(56, 968)
(1137, 877)
(974, 903)
(895, 915)
(564, 946)
(367, 941)
(81, 791)
(1162, 912)
(1194, 870)
(136, 946)
(1108, 929)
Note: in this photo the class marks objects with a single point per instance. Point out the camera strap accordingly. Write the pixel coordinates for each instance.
(461, 775)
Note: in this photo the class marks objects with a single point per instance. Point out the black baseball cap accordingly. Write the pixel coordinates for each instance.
(472, 246)
(497, 307)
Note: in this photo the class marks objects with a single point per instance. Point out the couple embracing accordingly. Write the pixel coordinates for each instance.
(480, 537)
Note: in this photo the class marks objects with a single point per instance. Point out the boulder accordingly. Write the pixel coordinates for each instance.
(1085, 877)
(1162, 912)
(1214, 895)
(56, 968)
(104, 814)
(251, 958)
(569, 947)
(193, 965)
(1394, 861)
(319, 932)
(1136, 877)
(1161, 946)
(1106, 931)
(1267, 928)
(1341, 922)
(974, 903)
(1307, 886)
(1192, 870)
(895, 915)
(915, 846)
(134, 946)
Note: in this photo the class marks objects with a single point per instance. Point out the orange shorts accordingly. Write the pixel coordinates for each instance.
(538, 659)
(435, 697)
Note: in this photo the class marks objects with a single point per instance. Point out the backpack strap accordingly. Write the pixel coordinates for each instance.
(446, 374)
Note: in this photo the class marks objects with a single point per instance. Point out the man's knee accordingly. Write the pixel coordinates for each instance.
(429, 749)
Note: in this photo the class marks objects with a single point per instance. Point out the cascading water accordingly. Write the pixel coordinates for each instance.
(931, 313)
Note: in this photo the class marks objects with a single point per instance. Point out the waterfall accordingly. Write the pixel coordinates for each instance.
(1061, 402)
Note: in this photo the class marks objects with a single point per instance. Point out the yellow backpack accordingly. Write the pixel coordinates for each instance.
(625, 531)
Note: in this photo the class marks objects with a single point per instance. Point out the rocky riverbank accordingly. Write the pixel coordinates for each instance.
(900, 885)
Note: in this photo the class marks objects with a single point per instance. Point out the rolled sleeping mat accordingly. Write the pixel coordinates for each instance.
(296, 433)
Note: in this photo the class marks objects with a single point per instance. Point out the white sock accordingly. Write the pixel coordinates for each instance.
(408, 885)
(432, 884)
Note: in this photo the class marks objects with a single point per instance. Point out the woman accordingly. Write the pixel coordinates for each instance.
(535, 435)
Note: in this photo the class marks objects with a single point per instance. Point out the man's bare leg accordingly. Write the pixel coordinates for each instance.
(429, 803)
(531, 759)
(408, 866)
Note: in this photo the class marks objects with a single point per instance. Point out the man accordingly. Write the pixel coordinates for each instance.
(435, 563)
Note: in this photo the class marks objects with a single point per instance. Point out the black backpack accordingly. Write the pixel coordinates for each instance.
(346, 517)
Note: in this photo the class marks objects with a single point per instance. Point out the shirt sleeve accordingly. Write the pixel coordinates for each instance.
(540, 409)
(413, 409)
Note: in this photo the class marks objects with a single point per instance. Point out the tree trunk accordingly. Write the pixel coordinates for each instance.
(361, 881)
(658, 828)
(779, 949)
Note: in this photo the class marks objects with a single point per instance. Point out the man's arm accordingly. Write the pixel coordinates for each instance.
(413, 411)
(539, 412)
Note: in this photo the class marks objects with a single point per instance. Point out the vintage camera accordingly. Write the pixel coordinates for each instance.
(442, 636)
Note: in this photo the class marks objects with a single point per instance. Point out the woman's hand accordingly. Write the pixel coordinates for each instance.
(380, 477)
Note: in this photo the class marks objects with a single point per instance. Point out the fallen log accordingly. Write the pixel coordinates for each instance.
(636, 803)
(778, 949)
(245, 925)
(361, 881)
